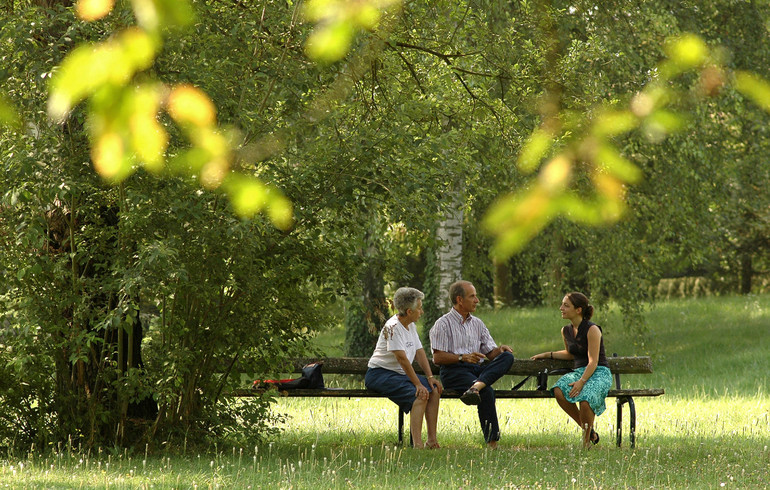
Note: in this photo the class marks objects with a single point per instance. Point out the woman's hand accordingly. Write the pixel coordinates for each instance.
(436, 385)
(577, 387)
(421, 392)
(543, 355)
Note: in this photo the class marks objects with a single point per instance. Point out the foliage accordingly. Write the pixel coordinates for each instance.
(85, 262)
(686, 176)
(124, 119)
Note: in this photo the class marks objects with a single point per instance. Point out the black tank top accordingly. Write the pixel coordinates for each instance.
(578, 345)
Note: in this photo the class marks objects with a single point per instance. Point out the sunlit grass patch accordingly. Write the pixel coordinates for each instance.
(710, 430)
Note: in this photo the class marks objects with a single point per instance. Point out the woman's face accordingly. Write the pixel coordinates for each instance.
(414, 314)
(568, 310)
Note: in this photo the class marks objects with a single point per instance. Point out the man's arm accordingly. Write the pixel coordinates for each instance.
(497, 351)
(442, 358)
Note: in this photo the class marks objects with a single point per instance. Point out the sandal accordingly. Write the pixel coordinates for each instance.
(594, 441)
(433, 445)
(471, 397)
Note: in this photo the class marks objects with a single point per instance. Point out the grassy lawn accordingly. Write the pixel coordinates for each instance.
(710, 430)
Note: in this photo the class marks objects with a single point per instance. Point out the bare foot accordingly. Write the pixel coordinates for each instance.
(433, 445)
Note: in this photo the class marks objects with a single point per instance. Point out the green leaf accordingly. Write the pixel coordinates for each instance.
(330, 43)
(89, 67)
(154, 14)
(684, 53)
(8, 114)
(662, 122)
(611, 123)
(534, 150)
(754, 87)
(613, 162)
(249, 196)
(516, 219)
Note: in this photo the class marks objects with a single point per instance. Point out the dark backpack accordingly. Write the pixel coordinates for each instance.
(311, 379)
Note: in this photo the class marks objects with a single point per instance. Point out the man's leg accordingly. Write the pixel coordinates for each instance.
(457, 377)
(490, 372)
(496, 368)
(488, 416)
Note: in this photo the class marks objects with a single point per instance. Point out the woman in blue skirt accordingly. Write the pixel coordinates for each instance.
(582, 391)
(391, 373)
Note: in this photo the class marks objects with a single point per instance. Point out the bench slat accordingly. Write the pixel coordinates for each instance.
(347, 393)
(521, 367)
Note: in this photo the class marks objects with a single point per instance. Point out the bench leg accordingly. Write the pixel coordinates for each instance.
(619, 421)
(631, 421)
(401, 429)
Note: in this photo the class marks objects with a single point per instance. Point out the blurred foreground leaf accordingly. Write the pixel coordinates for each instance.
(8, 116)
(90, 10)
(588, 148)
(754, 87)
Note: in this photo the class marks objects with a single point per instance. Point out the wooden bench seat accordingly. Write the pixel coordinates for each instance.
(525, 367)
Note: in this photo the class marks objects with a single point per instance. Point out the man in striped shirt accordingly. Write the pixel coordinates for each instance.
(468, 357)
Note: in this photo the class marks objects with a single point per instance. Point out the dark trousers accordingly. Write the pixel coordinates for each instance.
(460, 377)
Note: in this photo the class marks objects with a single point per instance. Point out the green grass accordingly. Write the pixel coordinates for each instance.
(710, 430)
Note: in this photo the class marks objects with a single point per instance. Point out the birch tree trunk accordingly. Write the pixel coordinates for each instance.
(449, 256)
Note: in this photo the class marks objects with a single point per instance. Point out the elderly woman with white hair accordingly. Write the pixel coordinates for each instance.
(391, 373)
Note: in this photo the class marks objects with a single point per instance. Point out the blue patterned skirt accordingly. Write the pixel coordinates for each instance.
(595, 390)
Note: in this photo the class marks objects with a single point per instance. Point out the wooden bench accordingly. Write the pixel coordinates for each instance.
(521, 367)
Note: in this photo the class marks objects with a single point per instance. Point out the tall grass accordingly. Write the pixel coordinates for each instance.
(710, 430)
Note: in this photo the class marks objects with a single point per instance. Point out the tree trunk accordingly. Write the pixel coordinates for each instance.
(747, 273)
(502, 283)
(449, 257)
(366, 315)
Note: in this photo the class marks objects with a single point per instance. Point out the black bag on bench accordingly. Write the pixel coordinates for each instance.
(311, 379)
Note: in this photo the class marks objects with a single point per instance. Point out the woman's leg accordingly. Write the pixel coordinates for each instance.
(416, 415)
(571, 409)
(431, 418)
(586, 422)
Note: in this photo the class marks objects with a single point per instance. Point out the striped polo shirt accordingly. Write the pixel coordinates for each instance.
(451, 334)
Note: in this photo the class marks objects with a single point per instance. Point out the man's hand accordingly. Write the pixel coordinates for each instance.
(474, 357)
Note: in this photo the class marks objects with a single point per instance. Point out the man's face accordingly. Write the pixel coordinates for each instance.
(467, 303)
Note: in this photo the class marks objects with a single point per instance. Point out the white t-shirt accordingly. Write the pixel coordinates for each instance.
(395, 336)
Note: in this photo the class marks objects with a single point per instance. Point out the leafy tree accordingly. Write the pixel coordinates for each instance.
(216, 295)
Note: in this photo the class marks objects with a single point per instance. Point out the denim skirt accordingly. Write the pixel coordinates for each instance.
(396, 386)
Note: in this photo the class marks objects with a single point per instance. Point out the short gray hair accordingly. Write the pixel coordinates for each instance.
(458, 288)
(406, 299)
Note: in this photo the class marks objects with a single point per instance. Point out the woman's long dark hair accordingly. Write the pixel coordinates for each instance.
(579, 300)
